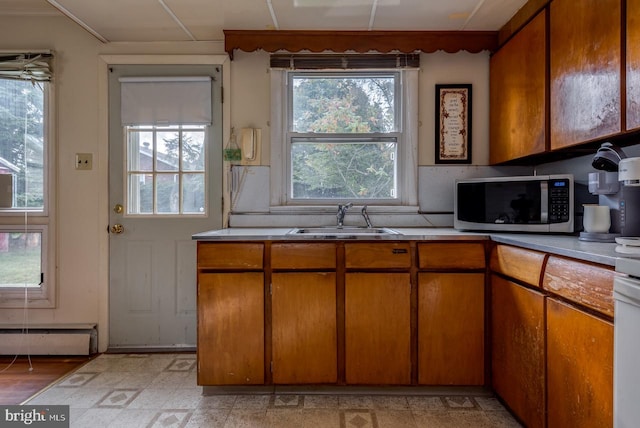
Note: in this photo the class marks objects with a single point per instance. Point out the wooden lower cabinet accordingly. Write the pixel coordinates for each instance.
(377, 328)
(231, 328)
(579, 368)
(304, 340)
(451, 328)
(518, 344)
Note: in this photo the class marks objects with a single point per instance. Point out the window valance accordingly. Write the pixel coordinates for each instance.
(359, 41)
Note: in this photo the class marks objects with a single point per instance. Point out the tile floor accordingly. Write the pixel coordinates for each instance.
(159, 390)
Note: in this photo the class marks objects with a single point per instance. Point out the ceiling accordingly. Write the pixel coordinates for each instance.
(204, 20)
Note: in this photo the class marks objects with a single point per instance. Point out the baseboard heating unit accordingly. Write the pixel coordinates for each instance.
(48, 339)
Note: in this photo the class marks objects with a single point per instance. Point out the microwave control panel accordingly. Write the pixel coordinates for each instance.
(559, 200)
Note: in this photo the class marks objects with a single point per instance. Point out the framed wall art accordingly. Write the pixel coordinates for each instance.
(453, 124)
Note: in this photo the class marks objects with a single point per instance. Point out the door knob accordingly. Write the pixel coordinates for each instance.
(118, 208)
(117, 229)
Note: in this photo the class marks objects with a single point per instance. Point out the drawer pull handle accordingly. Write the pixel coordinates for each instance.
(399, 251)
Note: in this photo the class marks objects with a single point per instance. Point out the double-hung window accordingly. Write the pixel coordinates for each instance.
(348, 129)
(26, 220)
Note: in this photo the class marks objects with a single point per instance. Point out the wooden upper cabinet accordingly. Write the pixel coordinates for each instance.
(585, 55)
(633, 64)
(517, 94)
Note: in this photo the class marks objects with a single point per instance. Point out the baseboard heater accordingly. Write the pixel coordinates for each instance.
(44, 339)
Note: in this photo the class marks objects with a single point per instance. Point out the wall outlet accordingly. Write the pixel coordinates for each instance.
(84, 161)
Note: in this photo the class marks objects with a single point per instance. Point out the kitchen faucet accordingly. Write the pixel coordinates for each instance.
(366, 216)
(342, 210)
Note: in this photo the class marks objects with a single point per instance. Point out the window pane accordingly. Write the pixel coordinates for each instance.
(140, 194)
(140, 157)
(168, 151)
(20, 259)
(343, 104)
(339, 169)
(193, 193)
(193, 151)
(22, 145)
(167, 194)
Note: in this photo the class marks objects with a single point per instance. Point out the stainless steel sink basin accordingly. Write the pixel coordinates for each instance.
(342, 231)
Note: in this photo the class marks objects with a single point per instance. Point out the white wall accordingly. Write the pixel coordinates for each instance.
(82, 211)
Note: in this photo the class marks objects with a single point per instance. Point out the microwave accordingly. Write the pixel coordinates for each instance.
(545, 203)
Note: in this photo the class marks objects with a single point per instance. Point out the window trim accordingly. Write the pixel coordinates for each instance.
(38, 220)
(407, 145)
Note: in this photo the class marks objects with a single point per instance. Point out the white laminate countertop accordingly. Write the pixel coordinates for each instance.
(563, 245)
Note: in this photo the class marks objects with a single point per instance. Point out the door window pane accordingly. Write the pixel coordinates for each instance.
(20, 259)
(162, 164)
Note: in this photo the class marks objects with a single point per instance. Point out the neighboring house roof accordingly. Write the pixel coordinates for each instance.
(8, 166)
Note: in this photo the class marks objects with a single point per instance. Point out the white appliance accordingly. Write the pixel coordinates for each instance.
(626, 376)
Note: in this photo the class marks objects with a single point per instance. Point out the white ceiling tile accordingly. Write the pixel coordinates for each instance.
(323, 14)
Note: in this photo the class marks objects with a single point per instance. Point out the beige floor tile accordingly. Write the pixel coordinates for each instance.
(320, 418)
(168, 380)
(217, 402)
(95, 418)
(425, 403)
(451, 419)
(150, 399)
(212, 418)
(355, 402)
(390, 402)
(170, 419)
(252, 402)
(183, 399)
(133, 418)
(321, 402)
(358, 418)
(395, 419)
(247, 418)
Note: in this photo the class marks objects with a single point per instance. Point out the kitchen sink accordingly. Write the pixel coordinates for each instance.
(336, 231)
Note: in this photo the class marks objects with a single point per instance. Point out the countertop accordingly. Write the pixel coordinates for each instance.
(563, 245)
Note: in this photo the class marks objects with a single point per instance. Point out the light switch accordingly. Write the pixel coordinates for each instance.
(84, 161)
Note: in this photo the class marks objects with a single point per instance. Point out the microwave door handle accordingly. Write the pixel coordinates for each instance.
(544, 202)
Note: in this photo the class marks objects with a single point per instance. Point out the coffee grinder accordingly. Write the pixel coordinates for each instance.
(605, 184)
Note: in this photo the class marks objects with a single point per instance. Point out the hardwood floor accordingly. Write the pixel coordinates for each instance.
(17, 383)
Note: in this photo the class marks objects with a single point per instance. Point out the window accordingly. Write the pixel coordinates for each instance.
(166, 169)
(347, 134)
(26, 249)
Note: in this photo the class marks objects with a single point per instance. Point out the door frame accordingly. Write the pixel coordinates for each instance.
(104, 61)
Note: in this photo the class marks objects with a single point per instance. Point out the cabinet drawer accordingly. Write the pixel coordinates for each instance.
(230, 255)
(378, 255)
(582, 283)
(517, 263)
(451, 256)
(303, 256)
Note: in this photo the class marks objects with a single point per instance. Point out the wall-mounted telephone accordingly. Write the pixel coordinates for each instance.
(250, 139)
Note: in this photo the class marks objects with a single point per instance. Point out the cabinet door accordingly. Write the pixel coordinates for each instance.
(377, 328)
(584, 70)
(304, 343)
(517, 331)
(231, 328)
(451, 328)
(517, 95)
(579, 368)
(633, 64)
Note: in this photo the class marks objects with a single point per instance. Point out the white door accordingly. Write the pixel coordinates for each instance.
(165, 184)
